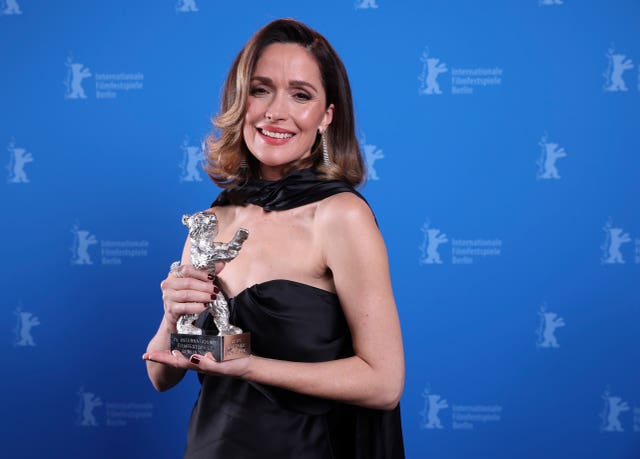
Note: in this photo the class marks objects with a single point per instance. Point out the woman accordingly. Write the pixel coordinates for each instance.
(311, 283)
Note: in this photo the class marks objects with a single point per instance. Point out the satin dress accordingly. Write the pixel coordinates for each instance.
(237, 419)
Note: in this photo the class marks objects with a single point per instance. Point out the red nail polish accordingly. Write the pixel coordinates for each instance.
(211, 276)
(194, 359)
(216, 290)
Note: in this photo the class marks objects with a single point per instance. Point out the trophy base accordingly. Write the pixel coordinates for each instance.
(225, 347)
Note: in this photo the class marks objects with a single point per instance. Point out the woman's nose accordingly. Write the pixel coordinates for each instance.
(277, 108)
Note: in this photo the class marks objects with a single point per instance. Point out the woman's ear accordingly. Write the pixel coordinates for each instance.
(326, 119)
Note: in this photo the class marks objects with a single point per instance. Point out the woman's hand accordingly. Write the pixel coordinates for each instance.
(203, 363)
(187, 290)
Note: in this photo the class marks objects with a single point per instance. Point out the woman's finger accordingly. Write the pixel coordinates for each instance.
(173, 358)
(186, 295)
(188, 284)
(188, 270)
(180, 309)
(176, 359)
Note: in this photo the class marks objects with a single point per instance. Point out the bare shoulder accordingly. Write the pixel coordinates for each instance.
(343, 210)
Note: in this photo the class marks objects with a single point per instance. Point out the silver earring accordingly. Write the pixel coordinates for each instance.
(325, 150)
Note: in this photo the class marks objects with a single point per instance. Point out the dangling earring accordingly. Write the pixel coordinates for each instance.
(243, 166)
(325, 150)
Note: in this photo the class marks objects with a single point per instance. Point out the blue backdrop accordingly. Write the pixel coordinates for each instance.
(501, 139)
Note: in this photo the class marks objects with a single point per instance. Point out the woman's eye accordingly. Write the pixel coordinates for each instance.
(257, 91)
(302, 96)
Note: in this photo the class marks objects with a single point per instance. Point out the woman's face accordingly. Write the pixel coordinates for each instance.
(286, 108)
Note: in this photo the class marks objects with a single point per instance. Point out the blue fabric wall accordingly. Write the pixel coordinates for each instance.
(502, 144)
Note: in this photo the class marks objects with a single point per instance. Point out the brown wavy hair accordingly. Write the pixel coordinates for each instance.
(225, 148)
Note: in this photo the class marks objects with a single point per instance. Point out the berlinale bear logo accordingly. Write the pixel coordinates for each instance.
(9, 7)
(186, 6)
(76, 73)
(550, 153)
(82, 240)
(26, 321)
(371, 155)
(432, 238)
(433, 404)
(549, 323)
(617, 65)
(614, 238)
(614, 406)
(87, 403)
(192, 157)
(431, 69)
(19, 158)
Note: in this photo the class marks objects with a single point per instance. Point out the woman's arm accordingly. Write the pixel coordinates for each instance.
(355, 253)
(180, 295)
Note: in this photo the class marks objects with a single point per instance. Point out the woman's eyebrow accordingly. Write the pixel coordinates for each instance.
(295, 83)
(302, 83)
(262, 79)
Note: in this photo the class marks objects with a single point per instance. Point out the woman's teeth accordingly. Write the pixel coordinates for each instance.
(276, 135)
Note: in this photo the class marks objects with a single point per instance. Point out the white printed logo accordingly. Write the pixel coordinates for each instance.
(433, 404)
(112, 252)
(550, 153)
(550, 2)
(88, 401)
(431, 70)
(614, 406)
(76, 73)
(371, 155)
(186, 6)
(463, 251)
(464, 80)
(26, 321)
(614, 238)
(549, 323)
(463, 417)
(432, 238)
(617, 65)
(117, 414)
(19, 157)
(9, 7)
(108, 85)
(192, 157)
(365, 4)
(82, 240)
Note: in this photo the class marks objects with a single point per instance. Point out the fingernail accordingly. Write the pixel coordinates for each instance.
(211, 276)
(194, 359)
(206, 305)
(216, 290)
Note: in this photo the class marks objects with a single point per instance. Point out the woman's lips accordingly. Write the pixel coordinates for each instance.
(275, 136)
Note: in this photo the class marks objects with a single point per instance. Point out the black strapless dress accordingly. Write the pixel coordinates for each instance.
(236, 419)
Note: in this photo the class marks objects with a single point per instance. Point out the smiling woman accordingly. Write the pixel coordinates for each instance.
(229, 161)
(287, 108)
(311, 284)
